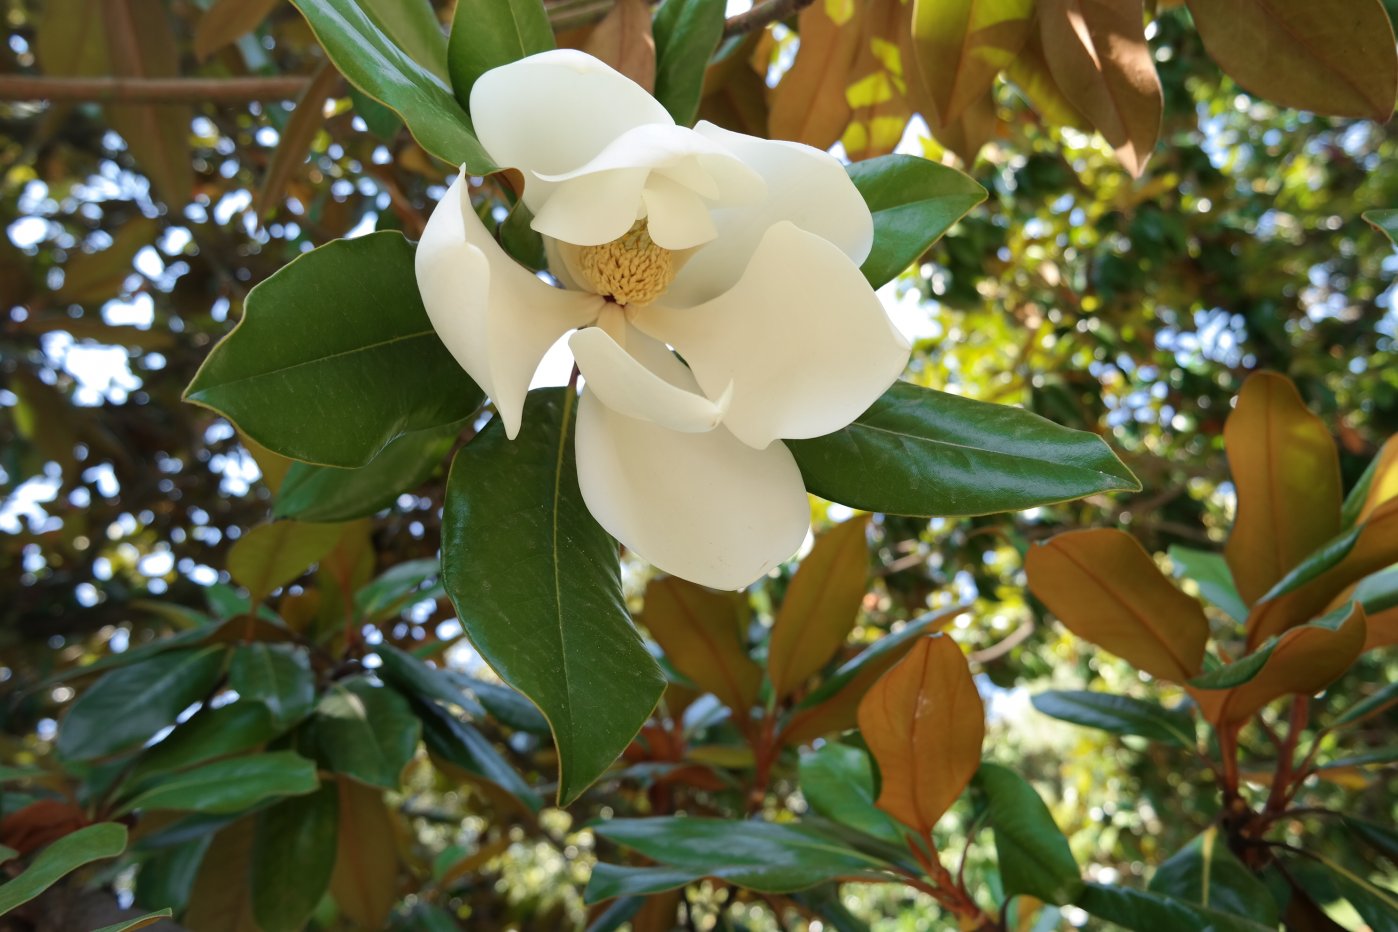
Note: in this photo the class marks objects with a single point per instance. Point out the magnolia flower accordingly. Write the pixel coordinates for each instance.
(712, 281)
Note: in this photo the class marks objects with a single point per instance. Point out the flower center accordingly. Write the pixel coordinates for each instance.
(630, 269)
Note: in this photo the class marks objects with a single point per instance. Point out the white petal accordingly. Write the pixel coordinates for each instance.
(626, 386)
(552, 112)
(803, 340)
(676, 218)
(495, 316)
(593, 209)
(805, 186)
(703, 507)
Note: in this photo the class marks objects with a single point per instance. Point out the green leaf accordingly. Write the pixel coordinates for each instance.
(761, 856)
(335, 357)
(1328, 556)
(1238, 672)
(1206, 872)
(397, 587)
(922, 452)
(1120, 715)
(140, 922)
(838, 783)
(375, 64)
(461, 745)
(293, 857)
(7, 854)
(1382, 838)
(486, 34)
(914, 202)
(271, 555)
(521, 240)
(67, 854)
(1033, 854)
(125, 708)
(329, 493)
(1386, 222)
(413, 26)
(365, 731)
(413, 677)
(506, 705)
(209, 733)
(1215, 579)
(536, 583)
(166, 875)
(1141, 911)
(232, 785)
(276, 675)
(687, 33)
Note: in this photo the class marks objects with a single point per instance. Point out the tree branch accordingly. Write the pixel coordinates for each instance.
(151, 90)
(762, 14)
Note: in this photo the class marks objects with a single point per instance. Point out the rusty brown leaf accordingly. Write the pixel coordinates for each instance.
(698, 629)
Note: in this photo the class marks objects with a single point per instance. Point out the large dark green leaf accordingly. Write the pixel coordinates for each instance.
(67, 854)
(209, 733)
(1215, 579)
(461, 745)
(486, 34)
(1140, 911)
(1207, 873)
(232, 785)
(125, 708)
(1326, 880)
(366, 731)
(924, 452)
(1120, 715)
(335, 357)
(914, 202)
(686, 34)
(374, 63)
(537, 586)
(293, 856)
(838, 783)
(1033, 854)
(413, 26)
(760, 856)
(276, 675)
(328, 493)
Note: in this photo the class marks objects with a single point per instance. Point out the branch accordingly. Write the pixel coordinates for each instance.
(762, 14)
(151, 90)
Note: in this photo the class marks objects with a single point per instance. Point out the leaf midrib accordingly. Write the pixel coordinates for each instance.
(268, 373)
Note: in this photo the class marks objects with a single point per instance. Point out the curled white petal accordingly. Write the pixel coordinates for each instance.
(802, 340)
(495, 317)
(703, 507)
(805, 186)
(626, 386)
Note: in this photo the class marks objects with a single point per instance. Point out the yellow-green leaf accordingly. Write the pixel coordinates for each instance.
(820, 607)
(1106, 589)
(924, 724)
(272, 555)
(699, 630)
(961, 45)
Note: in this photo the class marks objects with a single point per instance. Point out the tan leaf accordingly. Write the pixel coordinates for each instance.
(924, 724)
(221, 898)
(1030, 73)
(95, 277)
(698, 629)
(1097, 53)
(808, 104)
(1381, 629)
(1304, 661)
(970, 133)
(365, 880)
(226, 21)
(1329, 56)
(961, 45)
(623, 40)
(1383, 482)
(820, 607)
(880, 106)
(141, 44)
(1287, 475)
(272, 555)
(1106, 589)
(296, 137)
(735, 87)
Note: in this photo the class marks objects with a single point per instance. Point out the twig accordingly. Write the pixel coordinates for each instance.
(151, 90)
(762, 14)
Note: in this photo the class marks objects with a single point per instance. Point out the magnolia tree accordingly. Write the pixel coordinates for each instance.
(605, 648)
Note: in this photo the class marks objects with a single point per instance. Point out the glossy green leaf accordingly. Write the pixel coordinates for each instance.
(1206, 872)
(125, 708)
(232, 785)
(62, 857)
(1385, 221)
(1120, 715)
(335, 357)
(1142, 911)
(914, 202)
(686, 33)
(762, 856)
(1215, 580)
(486, 34)
(7, 854)
(209, 733)
(397, 587)
(1228, 675)
(461, 745)
(1382, 838)
(139, 922)
(838, 782)
(166, 875)
(328, 493)
(508, 706)
(917, 451)
(413, 26)
(293, 856)
(414, 677)
(1033, 854)
(276, 675)
(373, 62)
(1362, 709)
(536, 583)
(365, 731)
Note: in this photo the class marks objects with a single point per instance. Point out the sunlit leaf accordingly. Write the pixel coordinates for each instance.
(699, 630)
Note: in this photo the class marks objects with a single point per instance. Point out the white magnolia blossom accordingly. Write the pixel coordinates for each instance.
(739, 254)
